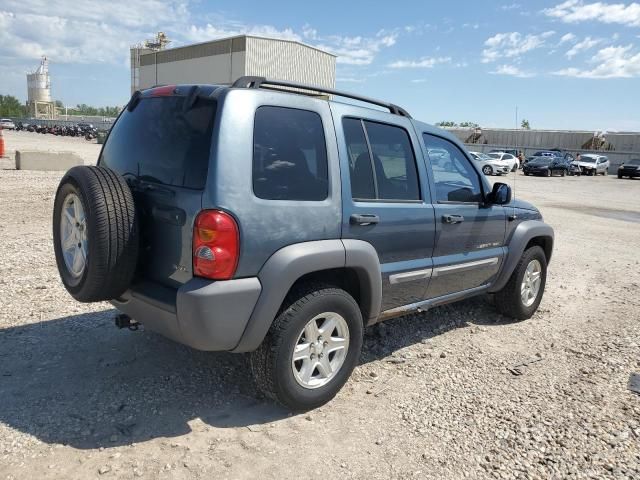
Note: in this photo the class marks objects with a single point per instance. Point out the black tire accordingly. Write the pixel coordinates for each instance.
(619, 176)
(548, 174)
(271, 362)
(605, 173)
(111, 233)
(562, 173)
(508, 301)
(487, 170)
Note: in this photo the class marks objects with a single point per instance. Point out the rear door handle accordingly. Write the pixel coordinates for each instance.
(452, 218)
(364, 219)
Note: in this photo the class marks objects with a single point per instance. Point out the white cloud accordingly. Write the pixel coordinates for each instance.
(418, 80)
(349, 80)
(510, 6)
(212, 32)
(609, 62)
(357, 50)
(569, 37)
(575, 11)
(94, 32)
(425, 62)
(583, 46)
(512, 71)
(512, 45)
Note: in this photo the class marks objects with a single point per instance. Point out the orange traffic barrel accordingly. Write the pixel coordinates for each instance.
(1, 143)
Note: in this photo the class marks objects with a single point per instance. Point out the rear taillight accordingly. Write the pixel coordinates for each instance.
(216, 245)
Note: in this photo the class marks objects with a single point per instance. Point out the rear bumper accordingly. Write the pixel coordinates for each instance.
(202, 314)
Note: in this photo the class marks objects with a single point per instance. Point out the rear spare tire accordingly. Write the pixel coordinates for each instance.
(95, 233)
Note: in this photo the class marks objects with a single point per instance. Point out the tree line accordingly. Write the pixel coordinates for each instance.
(10, 106)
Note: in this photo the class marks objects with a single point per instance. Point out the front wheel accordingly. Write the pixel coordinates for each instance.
(487, 170)
(522, 294)
(311, 348)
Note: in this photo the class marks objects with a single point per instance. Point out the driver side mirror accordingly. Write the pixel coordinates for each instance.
(501, 194)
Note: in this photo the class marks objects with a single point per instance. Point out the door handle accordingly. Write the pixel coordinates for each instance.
(452, 219)
(364, 219)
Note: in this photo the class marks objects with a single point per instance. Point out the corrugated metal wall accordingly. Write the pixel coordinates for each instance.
(626, 142)
(284, 60)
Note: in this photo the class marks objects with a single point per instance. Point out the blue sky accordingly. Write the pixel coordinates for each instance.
(566, 64)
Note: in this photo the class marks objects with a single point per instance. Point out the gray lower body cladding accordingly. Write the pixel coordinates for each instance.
(202, 314)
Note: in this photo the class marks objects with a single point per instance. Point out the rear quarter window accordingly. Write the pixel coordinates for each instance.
(162, 141)
(289, 155)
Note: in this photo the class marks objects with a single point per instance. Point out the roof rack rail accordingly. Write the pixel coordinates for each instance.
(262, 82)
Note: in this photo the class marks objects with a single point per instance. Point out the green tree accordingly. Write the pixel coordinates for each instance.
(446, 124)
(10, 106)
(469, 124)
(59, 104)
(525, 124)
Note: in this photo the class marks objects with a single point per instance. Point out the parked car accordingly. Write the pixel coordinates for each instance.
(7, 124)
(593, 164)
(512, 160)
(510, 151)
(630, 169)
(489, 165)
(239, 218)
(546, 166)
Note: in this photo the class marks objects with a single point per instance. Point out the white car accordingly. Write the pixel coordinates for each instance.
(489, 165)
(592, 164)
(513, 161)
(7, 124)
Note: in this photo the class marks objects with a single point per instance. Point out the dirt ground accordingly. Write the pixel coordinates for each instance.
(436, 395)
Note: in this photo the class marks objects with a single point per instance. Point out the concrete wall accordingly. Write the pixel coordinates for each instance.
(46, 161)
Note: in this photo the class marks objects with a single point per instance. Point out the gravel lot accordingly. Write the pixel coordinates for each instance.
(436, 394)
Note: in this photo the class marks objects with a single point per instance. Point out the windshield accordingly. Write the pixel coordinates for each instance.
(482, 156)
(495, 155)
(163, 141)
(588, 159)
(634, 162)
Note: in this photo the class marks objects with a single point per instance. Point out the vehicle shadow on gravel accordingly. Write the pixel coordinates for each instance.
(81, 382)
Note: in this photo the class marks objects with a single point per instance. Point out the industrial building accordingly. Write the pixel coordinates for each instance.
(223, 61)
(39, 103)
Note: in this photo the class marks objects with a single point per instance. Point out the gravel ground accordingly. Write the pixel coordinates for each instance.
(437, 395)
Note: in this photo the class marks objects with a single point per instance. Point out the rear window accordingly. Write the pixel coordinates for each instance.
(163, 142)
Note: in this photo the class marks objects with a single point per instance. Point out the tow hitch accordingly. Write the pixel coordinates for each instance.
(125, 321)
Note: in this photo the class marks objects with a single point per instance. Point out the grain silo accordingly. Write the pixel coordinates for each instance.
(39, 102)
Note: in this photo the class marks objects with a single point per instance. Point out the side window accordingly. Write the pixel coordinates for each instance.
(455, 178)
(381, 160)
(289, 155)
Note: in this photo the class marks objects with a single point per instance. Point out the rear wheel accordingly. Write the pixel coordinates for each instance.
(95, 233)
(311, 348)
(522, 294)
(619, 176)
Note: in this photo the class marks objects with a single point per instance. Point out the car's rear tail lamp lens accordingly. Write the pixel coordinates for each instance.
(216, 245)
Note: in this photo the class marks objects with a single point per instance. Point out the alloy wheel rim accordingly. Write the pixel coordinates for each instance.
(531, 282)
(320, 350)
(73, 235)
